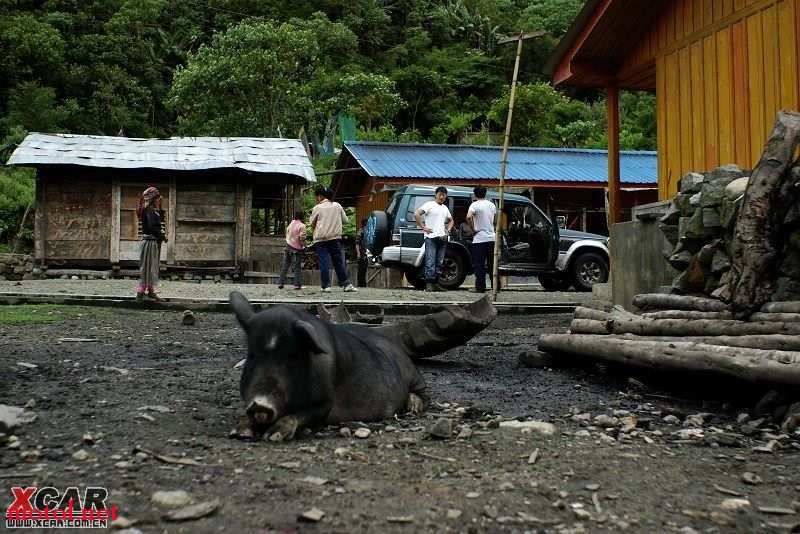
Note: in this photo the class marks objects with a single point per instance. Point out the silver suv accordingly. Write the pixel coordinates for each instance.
(531, 244)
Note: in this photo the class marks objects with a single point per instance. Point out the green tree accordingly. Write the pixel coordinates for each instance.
(370, 98)
(250, 80)
(533, 122)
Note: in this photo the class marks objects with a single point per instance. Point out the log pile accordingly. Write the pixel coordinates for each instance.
(692, 334)
(688, 333)
(736, 234)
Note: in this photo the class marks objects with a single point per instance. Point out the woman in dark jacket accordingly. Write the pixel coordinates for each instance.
(151, 216)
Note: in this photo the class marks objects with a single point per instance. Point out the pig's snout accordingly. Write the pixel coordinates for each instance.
(261, 411)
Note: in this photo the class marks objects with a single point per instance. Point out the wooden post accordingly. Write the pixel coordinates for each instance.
(116, 199)
(614, 197)
(172, 220)
(40, 221)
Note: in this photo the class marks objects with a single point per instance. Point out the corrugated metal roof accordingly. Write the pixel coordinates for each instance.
(255, 154)
(400, 160)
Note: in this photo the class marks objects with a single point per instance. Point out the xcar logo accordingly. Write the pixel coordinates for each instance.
(48, 508)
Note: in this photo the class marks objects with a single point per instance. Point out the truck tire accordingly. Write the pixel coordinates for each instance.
(551, 282)
(588, 269)
(454, 270)
(376, 233)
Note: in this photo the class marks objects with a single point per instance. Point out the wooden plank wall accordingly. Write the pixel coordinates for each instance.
(76, 219)
(206, 217)
(723, 70)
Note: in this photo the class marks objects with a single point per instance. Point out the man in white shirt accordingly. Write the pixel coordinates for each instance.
(481, 217)
(436, 225)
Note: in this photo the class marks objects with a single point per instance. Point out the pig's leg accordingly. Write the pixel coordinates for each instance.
(287, 426)
(415, 404)
(418, 395)
(244, 430)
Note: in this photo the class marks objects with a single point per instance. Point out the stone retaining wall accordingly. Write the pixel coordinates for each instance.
(17, 267)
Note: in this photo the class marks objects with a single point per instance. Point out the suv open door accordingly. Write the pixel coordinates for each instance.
(529, 240)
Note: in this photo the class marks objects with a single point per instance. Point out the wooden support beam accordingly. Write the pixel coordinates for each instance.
(614, 195)
(114, 235)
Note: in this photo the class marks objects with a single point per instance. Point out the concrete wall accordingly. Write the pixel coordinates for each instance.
(638, 264)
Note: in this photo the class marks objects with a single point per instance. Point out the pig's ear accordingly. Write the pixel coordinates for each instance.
(315, 342)
(241, 307)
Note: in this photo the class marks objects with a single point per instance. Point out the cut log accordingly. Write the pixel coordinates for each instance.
(687, 314)
(749, 364)
(755, 236)
(765, 341)
(780, 317)
(582, 312)
(664, 301)
(588, 326)
(642, 326)
(789, 306)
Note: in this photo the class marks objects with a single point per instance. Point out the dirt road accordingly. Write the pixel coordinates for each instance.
(620, 455)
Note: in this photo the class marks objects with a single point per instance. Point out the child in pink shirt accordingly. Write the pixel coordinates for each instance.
(295, 243)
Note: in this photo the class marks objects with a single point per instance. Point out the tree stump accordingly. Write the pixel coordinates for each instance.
(755, 238)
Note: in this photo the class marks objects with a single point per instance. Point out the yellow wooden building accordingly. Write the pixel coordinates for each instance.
(720, 69)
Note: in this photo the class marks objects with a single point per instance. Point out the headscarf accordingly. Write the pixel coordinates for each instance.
(146, 200)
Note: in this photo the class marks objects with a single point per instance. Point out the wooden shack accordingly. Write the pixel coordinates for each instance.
(720, 69)
(87, 189)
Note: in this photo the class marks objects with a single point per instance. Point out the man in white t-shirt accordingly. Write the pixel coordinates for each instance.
(481, 217)
(436, 224)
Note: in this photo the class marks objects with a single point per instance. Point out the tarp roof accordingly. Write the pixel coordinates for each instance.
(253, 154)
(444, 162)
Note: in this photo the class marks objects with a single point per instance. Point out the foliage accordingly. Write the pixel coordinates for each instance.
(368, 97)
(17, 194)
(249, 81)
(410, 70)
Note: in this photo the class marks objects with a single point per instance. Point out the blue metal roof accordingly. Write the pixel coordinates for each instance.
(474, 162)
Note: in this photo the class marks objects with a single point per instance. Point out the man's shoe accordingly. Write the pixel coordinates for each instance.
(280, 286)
(298, 286)
(438, 288)
(326, 290)
(350, 288)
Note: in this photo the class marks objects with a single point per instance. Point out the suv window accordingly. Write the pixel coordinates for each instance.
(414, 204)
(391, 211)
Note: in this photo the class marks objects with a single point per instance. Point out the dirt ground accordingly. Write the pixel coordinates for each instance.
(635, 455)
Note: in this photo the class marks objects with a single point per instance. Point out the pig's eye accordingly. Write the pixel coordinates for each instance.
(271, 343)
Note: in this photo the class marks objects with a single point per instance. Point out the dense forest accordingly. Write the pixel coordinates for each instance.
(394, 70)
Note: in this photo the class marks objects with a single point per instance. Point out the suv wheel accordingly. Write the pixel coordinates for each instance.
(589, 269)
(453, 270)
(376, 234)
(554, 282)
(416, 277)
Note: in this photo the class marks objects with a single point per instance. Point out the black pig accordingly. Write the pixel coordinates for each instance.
(301, 371)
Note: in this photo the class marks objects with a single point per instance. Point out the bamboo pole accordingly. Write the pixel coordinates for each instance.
(498, 237)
